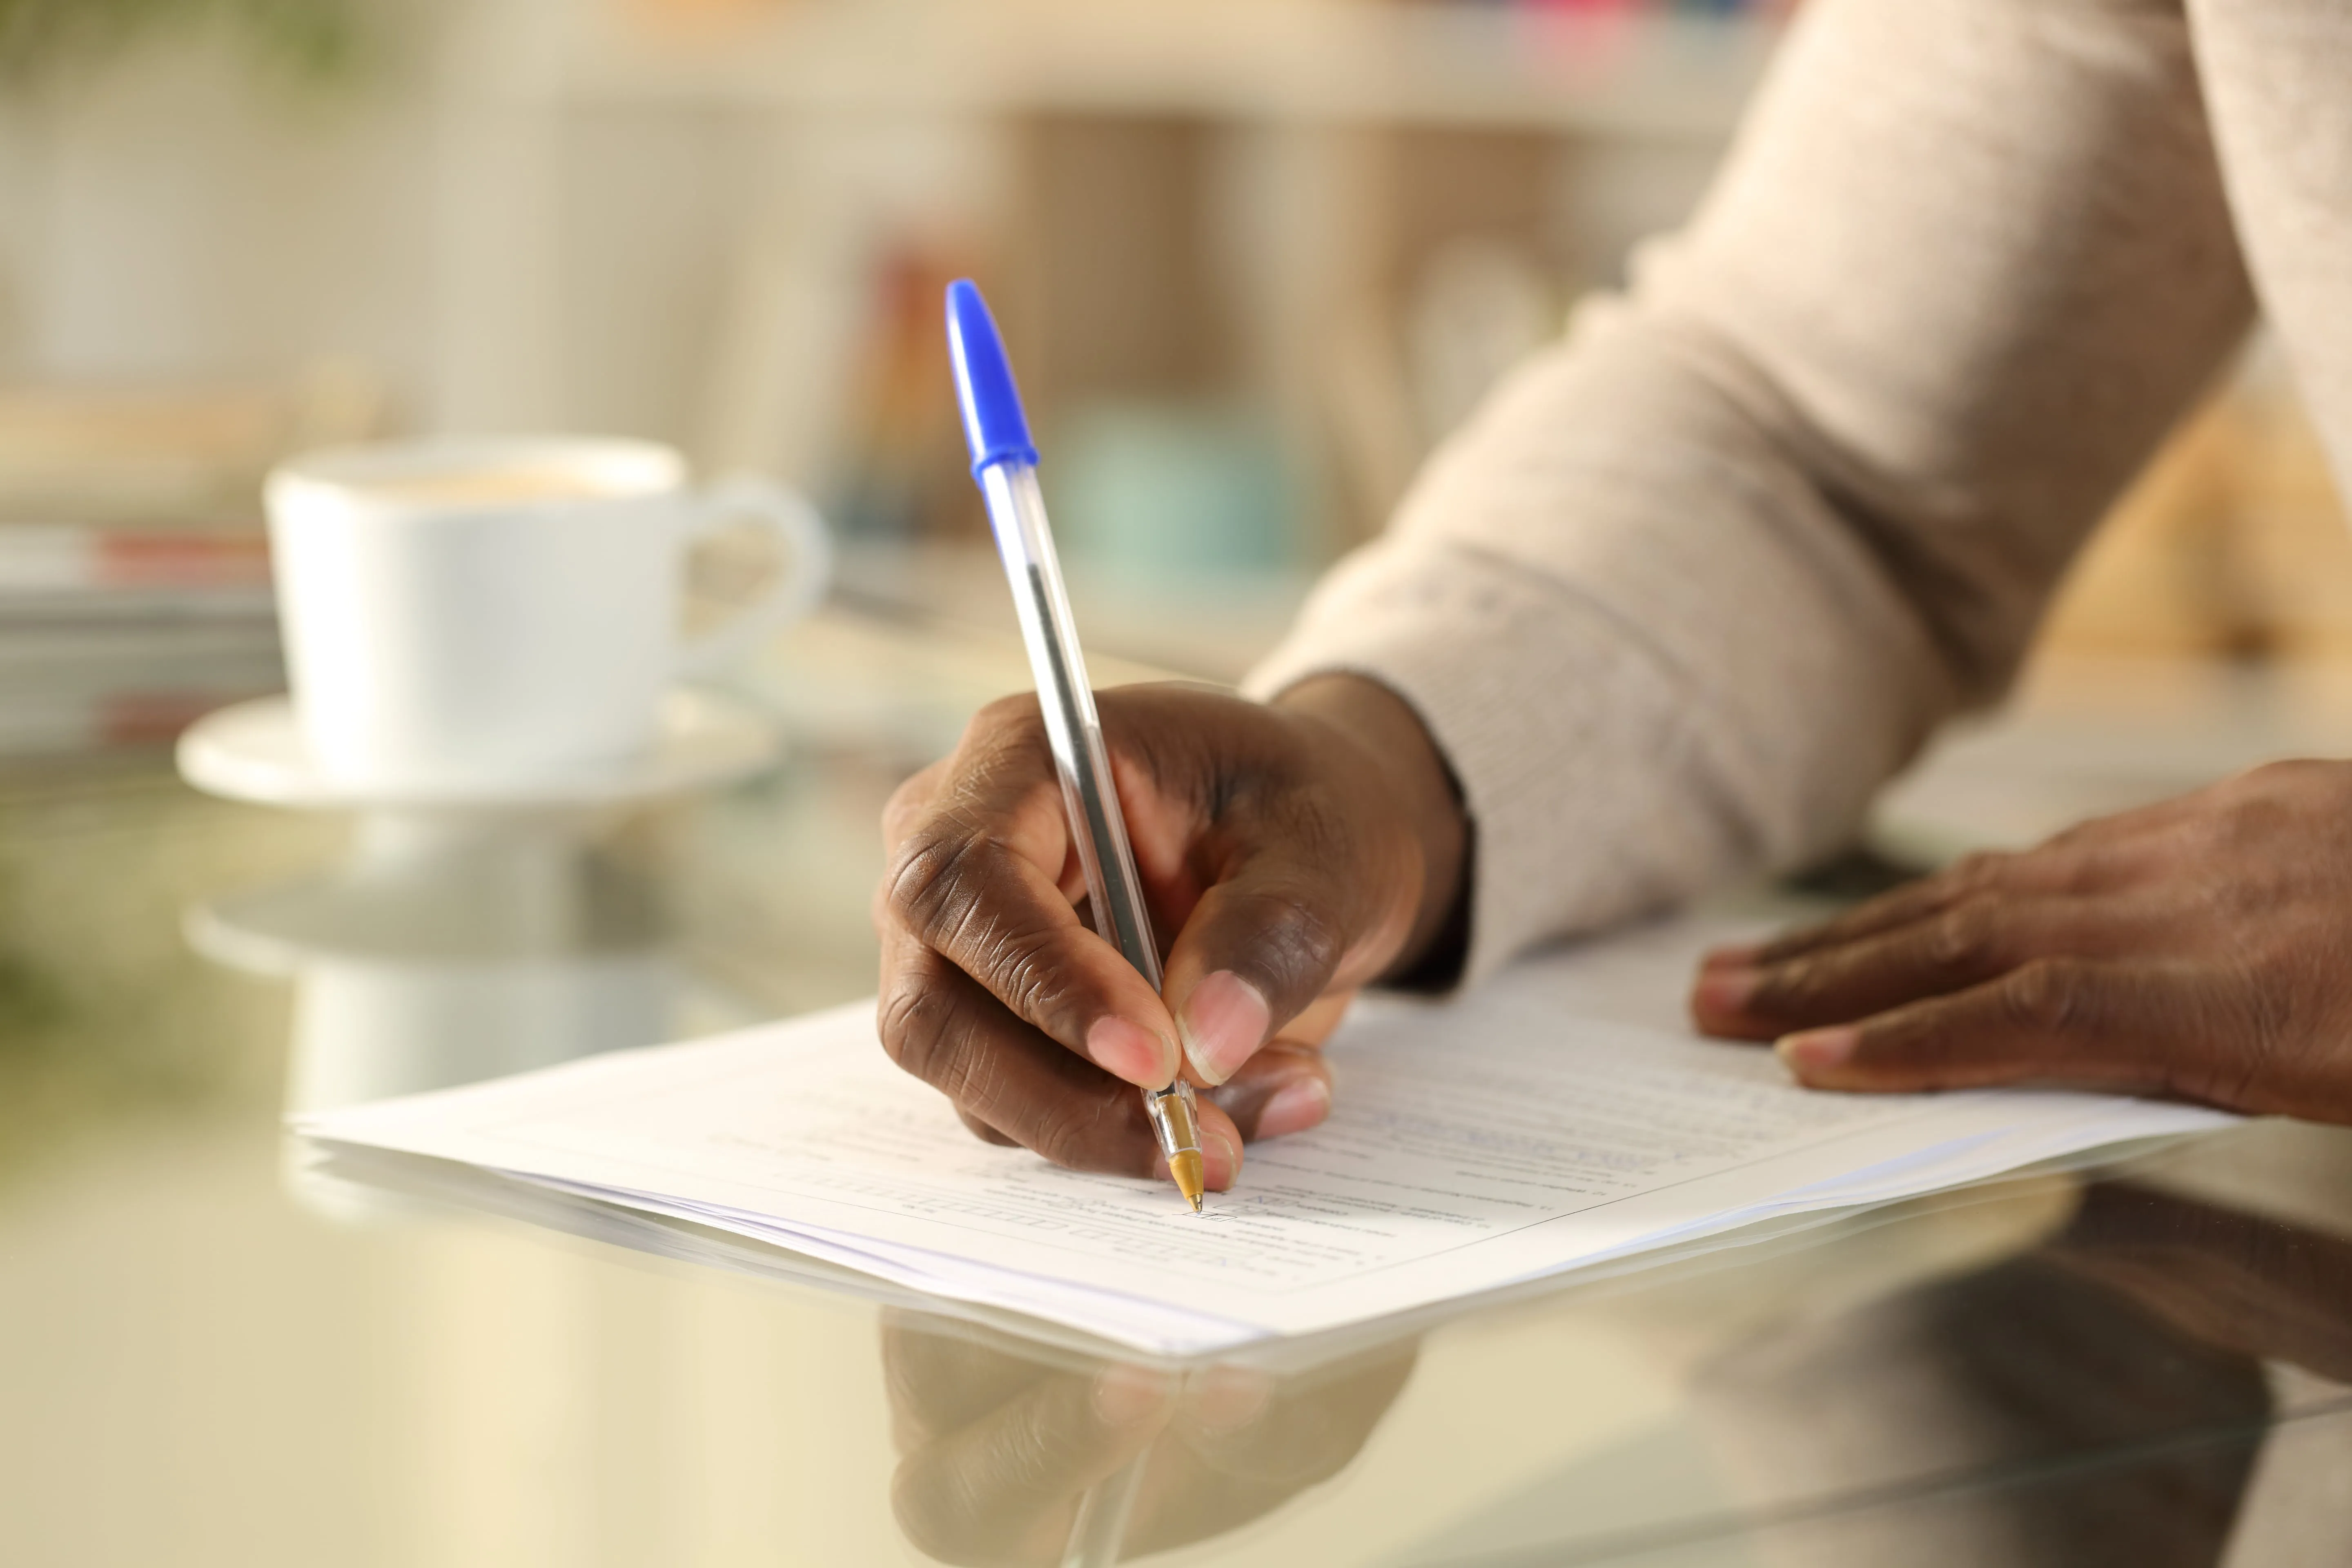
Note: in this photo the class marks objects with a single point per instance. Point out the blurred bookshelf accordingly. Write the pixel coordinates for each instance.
(1256, 257)
(134, 571)
(1627, 68)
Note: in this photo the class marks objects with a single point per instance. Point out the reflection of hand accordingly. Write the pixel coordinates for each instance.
(997, 1451)
(2260, 1287)
(1289, 852)
(2193, 947)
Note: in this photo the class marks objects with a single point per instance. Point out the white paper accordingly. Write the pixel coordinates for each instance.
(1471, 1146)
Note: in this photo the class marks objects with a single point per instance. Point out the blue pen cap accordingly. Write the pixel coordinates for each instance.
(992, 420)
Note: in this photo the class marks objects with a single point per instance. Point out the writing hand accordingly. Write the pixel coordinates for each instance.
(1290, 853)
(2199, 948)
(997, 1450)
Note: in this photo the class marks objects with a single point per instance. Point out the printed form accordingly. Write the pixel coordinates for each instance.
(1472, 1145)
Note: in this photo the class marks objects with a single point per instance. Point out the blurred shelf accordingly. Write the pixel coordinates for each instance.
(1295, 61)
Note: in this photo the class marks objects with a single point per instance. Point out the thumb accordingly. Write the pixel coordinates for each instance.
(1297, 916)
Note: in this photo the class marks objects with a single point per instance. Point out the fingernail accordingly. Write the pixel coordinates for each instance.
(1224, 1023)
(1128, 1396)
(1294, 1107)
(1728, 990)
(1739, 956)
(1220, 1161)
(1130, 1051)
(1817, 1050)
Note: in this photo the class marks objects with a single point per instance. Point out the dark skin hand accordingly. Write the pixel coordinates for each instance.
(2200, 948)
(1291, 853)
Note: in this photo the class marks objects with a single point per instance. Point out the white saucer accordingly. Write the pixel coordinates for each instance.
(254, 751)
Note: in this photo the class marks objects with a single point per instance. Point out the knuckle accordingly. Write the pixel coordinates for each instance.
(914, 1020)
(1966, 940)
(1296, 945)
(934, 878)
(939, 890)
(2237, 825)
(1792, 984)
(2048, 996)
(929, 1032)
(1016, 962)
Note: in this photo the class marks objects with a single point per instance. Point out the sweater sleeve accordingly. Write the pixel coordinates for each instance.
(1695, 582)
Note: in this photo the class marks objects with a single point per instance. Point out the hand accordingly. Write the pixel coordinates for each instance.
(2199, 948)
(1289, 854)
(997, 1448)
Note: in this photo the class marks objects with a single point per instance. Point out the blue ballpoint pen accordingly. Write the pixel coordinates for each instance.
(1004, 462)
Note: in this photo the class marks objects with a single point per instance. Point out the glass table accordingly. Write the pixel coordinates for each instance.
(211, 1351)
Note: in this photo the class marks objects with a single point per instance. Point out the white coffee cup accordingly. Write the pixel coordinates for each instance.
(503, 611)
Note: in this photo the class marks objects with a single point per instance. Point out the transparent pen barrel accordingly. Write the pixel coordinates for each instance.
(1175, 1118)
(1016, 514)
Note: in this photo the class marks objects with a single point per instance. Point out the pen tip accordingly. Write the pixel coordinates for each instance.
(1190, 1176)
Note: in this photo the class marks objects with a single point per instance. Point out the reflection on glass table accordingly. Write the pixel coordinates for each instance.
(1008, 1457)
(442, 949)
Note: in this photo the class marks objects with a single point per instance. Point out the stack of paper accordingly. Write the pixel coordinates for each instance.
(1473, 1145)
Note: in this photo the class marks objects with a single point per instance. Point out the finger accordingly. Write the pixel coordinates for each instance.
(1006, 1488)
(1966, 944)
(940, 1025)
(982, 1131)
(1283, 1089)
(1286, 1087)
(1011, 1084)
(1294, 916)
(2041, 872)
(2085, 1021)
(976, 875)
(2108, 854)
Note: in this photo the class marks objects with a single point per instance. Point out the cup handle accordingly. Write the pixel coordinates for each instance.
(746, 499)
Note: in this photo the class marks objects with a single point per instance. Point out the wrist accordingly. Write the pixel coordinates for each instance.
(1385, 729)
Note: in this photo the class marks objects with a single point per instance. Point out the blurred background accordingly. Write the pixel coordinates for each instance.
(1255, 255)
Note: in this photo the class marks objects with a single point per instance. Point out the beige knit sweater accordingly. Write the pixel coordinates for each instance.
(1694, 584)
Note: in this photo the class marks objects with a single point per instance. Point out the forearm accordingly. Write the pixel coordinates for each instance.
(1694, 585)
